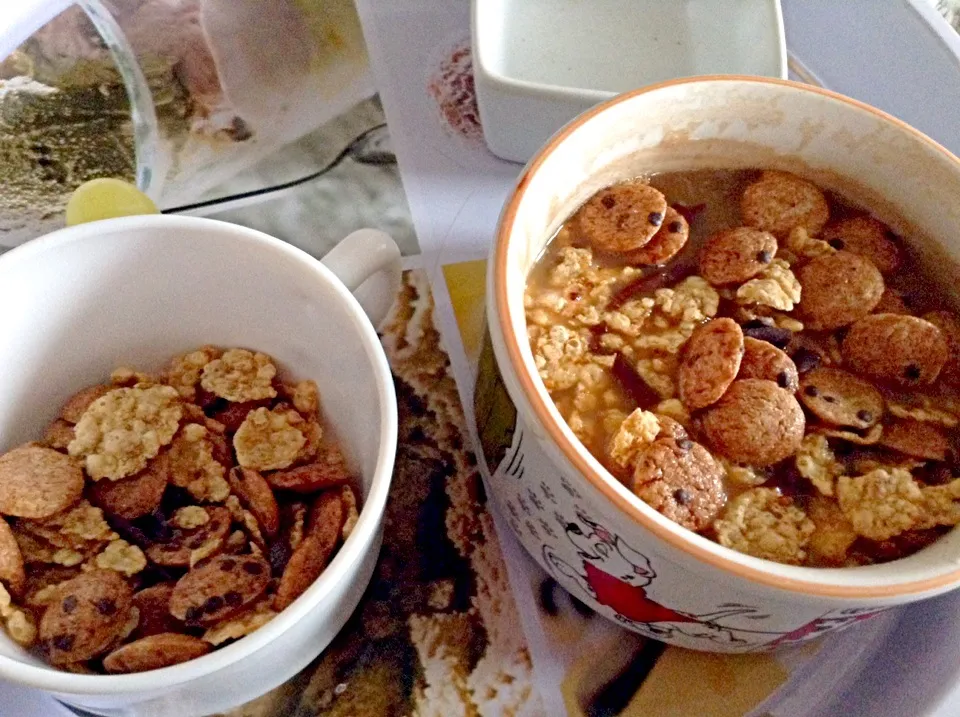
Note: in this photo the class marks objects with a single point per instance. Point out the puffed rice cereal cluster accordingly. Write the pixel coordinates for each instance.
(162, 516)
(778, 384)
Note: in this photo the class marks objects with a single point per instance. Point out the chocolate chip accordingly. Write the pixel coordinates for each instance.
(764, 256)
(194, 541)
(806, 360)
(63, 642)
(675, 227)
(682, 496)
(830, 399)
(106, 606)
(812, 391)
(609, 202)
(233, 598)
(227, 565)
(278, 555)
(837, 244)
(193, 613)
(684, 444)
(865, 416)
(912, 372)
(252, 568)
(213, 604)
(783, 379)
(655, 218)
(771, 334)
(69, 604)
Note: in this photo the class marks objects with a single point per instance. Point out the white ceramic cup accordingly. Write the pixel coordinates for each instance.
(599, 540)
(135, 291)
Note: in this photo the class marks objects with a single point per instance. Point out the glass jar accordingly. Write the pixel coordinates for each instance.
(175, 95)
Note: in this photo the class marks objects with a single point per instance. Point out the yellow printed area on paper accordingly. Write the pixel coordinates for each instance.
(466, 283)
(684, 683)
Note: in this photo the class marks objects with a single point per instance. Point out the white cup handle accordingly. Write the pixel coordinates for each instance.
(368, 263)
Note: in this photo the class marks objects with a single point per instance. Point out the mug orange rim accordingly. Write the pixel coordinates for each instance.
(573, 454)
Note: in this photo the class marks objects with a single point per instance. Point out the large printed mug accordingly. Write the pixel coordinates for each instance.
(597, 539)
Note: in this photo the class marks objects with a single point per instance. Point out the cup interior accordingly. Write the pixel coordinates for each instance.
(733, 123)
(136, 291)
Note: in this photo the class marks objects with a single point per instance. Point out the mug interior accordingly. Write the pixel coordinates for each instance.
(733, 123)
(135, 292)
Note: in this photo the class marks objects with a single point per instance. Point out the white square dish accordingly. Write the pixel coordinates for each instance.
(540, 63)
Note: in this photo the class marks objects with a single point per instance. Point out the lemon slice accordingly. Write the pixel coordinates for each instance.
(107, 198)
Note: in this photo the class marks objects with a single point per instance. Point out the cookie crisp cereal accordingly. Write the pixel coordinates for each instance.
(124, 429)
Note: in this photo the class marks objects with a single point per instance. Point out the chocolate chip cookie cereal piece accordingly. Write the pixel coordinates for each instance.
(304, 567)
(838, 289)
(125, 428)
(905, 350)
(950, 328)
(219, 588)
(37, 482)
(153, 605)
(880, 504)
(733, 256)
(623, 217)
(329, 470)
(841, 398)
(709, 362)
(154, 652)
(12, 573)
(680, 480)
(269, 440)
(255, 493)
(765, 361)
(868, 237)
(138, 495)
(58, 435)
(780, 201)
(181, 545)
(891, 303)
(78, 403)
(670, 238)
(913, 438)
(756, 423)
(240, 375)
(90, 614)
(765, 524)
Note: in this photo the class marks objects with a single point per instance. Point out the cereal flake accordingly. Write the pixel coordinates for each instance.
(190, 517)
(882, 503)
(765, 524)
(636, 432)
(776, 287)
(122, 557)
(240, 375)
(268, 440)
(816, 462)
(194, 466)
(185, 370)
(124, 429)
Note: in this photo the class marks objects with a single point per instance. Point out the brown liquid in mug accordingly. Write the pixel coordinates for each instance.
(710, 200)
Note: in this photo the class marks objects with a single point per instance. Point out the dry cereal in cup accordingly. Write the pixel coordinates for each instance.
(763, 373)
(143, 528)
